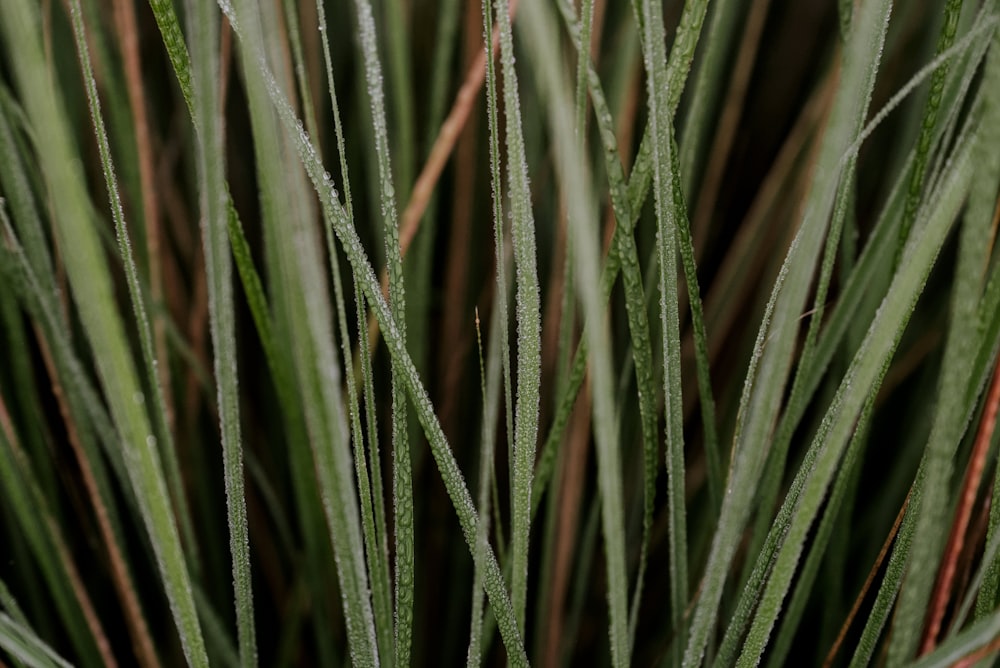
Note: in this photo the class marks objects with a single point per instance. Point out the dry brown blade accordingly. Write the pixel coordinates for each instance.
(62, 553)
(728, 122)
(128, 40)
(956, 539)
(312, 55)
(135, 621)
(574, 473)
(438, 158)
(455, 339)
(868, 583)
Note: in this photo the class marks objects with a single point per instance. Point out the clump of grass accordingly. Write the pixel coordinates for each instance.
(791, 395)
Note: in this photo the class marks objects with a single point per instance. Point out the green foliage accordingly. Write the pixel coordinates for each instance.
(788, 396)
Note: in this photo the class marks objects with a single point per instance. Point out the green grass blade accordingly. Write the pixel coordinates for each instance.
(658, 82)
(173, 41)
(967, 643)
(528, 309)
(623, 248)
(952, 11)
(500, 238)
(164, 437)
(21, 642)
(204, 28)
(372, 502)
(402, 483)
(305, 312)
(710, 80)
(951, 417)
(491, 377)
(582, 214)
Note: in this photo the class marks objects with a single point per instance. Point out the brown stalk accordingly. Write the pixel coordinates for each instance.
(868, 583)
(573, 476)
(444, 143)
(728, 123)
(454, 339)
(728, 287)
(63, 554)
(128, 40)
(956, 539)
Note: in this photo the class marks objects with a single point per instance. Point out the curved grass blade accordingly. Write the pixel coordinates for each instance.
(623, 247)
(177, 53)
(370, 488)
(305, 319)
(21, 642)
(678, 66)
(968, 643)
(951, 416)
(147, 345)
(402, 487)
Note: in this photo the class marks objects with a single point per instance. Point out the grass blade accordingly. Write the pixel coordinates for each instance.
(218, 266)
(570, 167)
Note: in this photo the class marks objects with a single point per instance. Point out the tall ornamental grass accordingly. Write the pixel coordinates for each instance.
(513, 331)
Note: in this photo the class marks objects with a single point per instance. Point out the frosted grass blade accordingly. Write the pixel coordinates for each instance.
(528, 309)
(582, 216)
(402, 482)
(203, 28)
